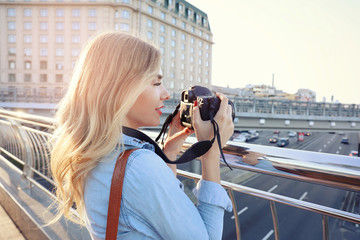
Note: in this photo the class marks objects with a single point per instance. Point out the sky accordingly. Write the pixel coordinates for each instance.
(311, 44)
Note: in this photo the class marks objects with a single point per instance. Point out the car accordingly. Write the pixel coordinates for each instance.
(354, 153)
(345, 140)
(283, 142)
(307, 133)
(292, 134)
(276, 132)
(273, 139)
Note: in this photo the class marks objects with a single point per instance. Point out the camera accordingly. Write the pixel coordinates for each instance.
(208, 104)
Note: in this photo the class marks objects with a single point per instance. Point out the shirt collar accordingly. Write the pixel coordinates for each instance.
(134, 142)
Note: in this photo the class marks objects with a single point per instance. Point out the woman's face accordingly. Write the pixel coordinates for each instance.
(146, 110)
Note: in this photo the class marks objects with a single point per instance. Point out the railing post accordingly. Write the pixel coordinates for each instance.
(275, 220)
(325, 227)
(237, 223)
(26, 150)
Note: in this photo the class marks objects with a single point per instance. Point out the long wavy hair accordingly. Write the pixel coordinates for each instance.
(111, 72)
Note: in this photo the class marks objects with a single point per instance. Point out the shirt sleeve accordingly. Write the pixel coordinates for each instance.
(162, 205)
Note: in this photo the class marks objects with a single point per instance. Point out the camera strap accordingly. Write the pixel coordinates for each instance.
(196, 150)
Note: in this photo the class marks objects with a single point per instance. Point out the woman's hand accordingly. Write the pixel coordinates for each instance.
(175, 139)
(204, 131)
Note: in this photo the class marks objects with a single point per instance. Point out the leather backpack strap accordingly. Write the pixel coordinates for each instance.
(115, 195)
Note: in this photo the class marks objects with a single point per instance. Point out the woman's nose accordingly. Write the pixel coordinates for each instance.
(165, 94)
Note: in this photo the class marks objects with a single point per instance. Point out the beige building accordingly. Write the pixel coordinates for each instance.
(40, 40)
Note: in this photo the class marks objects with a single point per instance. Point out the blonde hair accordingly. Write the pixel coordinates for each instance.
(111, 72)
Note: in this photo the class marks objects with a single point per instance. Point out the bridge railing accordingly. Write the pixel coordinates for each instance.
(24, 139)
(243, 105)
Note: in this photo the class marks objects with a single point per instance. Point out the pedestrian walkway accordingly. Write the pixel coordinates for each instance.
(8, 229)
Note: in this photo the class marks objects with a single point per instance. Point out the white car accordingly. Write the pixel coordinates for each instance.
(292, 134)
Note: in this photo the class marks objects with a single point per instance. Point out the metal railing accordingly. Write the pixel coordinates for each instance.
(24, 141)
(242, 104)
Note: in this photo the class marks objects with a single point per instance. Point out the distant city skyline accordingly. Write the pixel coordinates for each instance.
(310, 44)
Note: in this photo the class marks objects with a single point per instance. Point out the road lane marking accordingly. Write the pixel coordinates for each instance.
(240, 212)
(268, 235)
(273, 188)
(303, 196)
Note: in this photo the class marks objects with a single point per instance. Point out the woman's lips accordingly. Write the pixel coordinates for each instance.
(158, 110)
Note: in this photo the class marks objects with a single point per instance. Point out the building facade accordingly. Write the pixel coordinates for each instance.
(40, 40)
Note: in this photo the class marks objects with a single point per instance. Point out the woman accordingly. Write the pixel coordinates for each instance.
(117, 83)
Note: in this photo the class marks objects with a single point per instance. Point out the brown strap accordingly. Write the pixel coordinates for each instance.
(115, 195)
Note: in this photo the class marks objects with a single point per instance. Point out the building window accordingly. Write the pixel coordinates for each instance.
(27, 52)
(27, 25)
(163, 15)
(174, 21)
(75, 26)
(59, 12)
(59, 77)
(43, 64)
(27, 38)
(92, 13)
(183, 25)
(27, 12)
(150, 23)
(75, 52)
(43, 78)
(12, 77)
(12, 51)
(43, 38)
(92, 26)
(12, 65)
(75, 39)
(173, 54)
(59, 52)
(27, 64)
(173, 32)
(192, 29)
(149, 35)
(173, 43)
(59, 66)
(75, 12)
(183, 37)
(11, 12)
(43, 26)
(43, 12)
(183, 46)
(27, 78)
(125, 14)
(59, 26)
(150, 9)
(12, 38)
(11, 25)
(162, 28)
(162, 39)
(59, 39)
(125, 27)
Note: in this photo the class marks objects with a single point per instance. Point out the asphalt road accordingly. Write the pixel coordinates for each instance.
(295, 224)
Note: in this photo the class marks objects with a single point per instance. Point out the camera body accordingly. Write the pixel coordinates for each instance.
(208, 104)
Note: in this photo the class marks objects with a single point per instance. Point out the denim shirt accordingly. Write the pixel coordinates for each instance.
(153, 204)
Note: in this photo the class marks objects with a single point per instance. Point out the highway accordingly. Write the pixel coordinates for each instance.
(295, 224)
